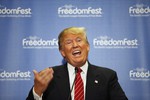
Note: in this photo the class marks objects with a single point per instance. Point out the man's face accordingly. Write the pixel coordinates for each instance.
(75, 49)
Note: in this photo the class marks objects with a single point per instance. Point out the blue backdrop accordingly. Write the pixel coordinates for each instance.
(118, 32)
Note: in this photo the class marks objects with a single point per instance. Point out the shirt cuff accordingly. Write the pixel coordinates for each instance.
(36, 96)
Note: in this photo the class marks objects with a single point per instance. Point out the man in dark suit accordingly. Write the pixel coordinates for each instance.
(57, 83)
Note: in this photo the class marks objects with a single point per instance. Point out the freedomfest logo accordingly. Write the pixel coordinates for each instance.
(73, 11)
(15, 75)
(39, 43)
(139, 10)
(15, 12)
(108, 42)
(139, 74)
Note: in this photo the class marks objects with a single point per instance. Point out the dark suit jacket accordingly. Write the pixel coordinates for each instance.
(106, 87)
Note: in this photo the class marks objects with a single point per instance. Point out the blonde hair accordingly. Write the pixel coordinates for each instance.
(71, 30)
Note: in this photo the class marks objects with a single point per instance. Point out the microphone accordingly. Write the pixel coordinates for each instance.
(76, 70)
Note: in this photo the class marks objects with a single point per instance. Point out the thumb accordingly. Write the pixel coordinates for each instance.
(35, 72)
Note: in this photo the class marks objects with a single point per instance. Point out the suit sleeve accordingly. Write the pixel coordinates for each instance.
(30, 95)
(116, 92)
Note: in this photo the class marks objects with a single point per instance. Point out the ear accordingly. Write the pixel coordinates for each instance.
(62, 52)
(88, 47)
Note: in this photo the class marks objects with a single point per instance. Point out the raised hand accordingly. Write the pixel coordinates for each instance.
(42, 79)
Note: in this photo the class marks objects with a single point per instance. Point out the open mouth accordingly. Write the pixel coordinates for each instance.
(76, 53)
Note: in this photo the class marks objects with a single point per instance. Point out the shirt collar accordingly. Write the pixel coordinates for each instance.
(72, 68)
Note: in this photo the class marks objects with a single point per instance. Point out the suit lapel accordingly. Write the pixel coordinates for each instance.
(62, 81)
(89, 84)
(94, 83)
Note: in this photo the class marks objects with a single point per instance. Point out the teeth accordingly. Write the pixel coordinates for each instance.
(76, 52)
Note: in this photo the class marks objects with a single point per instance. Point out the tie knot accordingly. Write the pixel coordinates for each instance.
(79, 70)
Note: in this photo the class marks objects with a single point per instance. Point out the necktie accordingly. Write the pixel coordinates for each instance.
(79, 88)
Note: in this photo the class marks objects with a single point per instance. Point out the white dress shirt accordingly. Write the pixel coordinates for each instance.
(71, 71)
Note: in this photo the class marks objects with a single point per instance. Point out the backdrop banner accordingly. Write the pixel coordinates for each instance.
(118, 32)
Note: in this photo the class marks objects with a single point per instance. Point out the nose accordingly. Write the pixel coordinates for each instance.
(75, 44)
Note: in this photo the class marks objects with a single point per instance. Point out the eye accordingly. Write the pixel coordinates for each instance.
(78, 39)
(68, 42)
